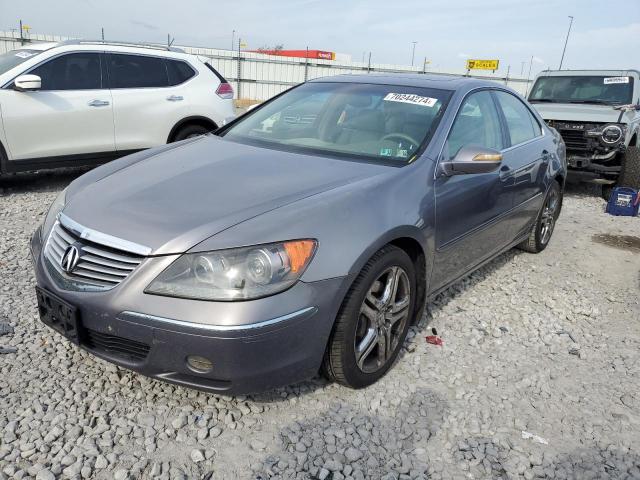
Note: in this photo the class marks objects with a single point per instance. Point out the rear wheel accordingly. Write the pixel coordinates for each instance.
(190, 131)
(373, 320)
(546, 221)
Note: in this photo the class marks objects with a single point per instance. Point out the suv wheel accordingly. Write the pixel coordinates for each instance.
(373, 320)
(630, 173)
(190, 131)
(546, 221)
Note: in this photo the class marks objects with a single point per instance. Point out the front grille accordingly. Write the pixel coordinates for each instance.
(114, 345)
(574, 139)
(98, 265)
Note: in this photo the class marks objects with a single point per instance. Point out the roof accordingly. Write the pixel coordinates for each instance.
(149, 46)
(428, 80)
(608, 71)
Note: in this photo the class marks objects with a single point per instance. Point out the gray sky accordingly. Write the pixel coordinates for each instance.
(605, 34)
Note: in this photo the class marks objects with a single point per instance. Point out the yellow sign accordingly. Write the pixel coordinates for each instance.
(482, 64)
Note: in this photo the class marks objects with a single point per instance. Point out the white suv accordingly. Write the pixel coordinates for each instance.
(84, 103)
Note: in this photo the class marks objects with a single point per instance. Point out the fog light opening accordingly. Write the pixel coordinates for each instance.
(199, 364)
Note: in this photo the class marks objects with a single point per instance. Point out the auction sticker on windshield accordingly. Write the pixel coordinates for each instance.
(610, 80)
(410, 98)
(24, 54)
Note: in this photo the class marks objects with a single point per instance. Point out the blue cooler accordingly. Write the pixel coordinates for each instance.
(624, 201)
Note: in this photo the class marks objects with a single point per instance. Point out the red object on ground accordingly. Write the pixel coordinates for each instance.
(434, 340)
(321, 54)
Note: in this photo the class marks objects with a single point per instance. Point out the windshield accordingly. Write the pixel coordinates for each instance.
(586, 89)
(14, 58)
(382, 123)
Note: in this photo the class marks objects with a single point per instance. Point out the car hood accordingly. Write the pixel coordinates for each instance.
(577, 112)
(177, 198)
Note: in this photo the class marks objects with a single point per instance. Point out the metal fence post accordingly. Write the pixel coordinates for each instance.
(306, 65)
(238, 67)
(369, 64)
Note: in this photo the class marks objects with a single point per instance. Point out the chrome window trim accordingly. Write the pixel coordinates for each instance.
(102, 238)
(104, 69)
(490, 88)
(307, 312)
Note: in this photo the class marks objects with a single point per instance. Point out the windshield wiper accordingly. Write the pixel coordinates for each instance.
(549, 100)
(595, 102)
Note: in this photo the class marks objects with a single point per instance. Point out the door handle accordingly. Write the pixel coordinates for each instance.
(175, 98)
(98, 103)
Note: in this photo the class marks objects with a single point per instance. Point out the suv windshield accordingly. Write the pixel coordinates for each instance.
(605, 89)
(382, 123)
(14, 58)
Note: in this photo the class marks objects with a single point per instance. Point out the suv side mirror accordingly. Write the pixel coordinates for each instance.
(25, 83)
(472, 160)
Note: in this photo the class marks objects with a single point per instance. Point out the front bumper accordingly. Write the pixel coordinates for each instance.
(252, 345)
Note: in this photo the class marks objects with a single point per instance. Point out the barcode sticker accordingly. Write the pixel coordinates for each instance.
(410, 98)
(610, 80)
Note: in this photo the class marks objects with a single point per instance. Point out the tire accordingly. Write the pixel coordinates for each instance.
(190, 131)
(358, 318)
(545, 222)
(630, 173)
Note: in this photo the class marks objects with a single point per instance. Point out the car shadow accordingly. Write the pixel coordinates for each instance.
(345, 439)
(40, 181)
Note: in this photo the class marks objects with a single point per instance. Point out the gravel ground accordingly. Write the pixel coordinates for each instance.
(538, 377)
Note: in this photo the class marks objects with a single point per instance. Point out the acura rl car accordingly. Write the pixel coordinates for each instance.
(304, 236)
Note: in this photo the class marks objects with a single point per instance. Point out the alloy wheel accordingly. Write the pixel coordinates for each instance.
(549, 214)
(382, 319)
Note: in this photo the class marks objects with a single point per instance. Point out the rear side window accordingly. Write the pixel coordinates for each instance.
(522, 125)
(179, 72)
(136, 71)
(74, 71)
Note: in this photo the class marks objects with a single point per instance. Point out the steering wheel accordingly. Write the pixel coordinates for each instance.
(401, 136)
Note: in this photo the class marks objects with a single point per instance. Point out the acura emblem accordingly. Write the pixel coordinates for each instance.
(70, 258)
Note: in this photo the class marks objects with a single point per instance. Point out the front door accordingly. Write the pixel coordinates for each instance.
(71, 114)
(471, 209)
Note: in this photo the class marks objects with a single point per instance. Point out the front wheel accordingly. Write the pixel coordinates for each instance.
(546, 221)
(373, 320)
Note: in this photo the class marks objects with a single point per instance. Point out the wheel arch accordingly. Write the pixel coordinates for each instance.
(191, 120)
(411, 240)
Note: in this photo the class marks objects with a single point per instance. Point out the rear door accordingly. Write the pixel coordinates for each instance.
(471, 210)
(526, 157)
(71, 114)
(148, 99)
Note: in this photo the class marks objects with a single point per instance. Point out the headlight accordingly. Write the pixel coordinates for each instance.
(55, 208)
(612, 134)
(235, 274)
(609, 134)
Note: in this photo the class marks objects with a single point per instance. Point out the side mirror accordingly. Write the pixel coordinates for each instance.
(471, 160)
(25, 83)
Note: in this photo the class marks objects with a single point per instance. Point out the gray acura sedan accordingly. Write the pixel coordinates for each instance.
(306, 235)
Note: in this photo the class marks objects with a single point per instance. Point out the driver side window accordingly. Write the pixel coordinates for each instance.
(477, 124)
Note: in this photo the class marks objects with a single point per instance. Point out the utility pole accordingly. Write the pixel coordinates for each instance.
(413, 53)
(369, 65)
(526, 92)
(506, 80)
(102, 29)
(233, 39)
(566, 40)
(21, 37)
